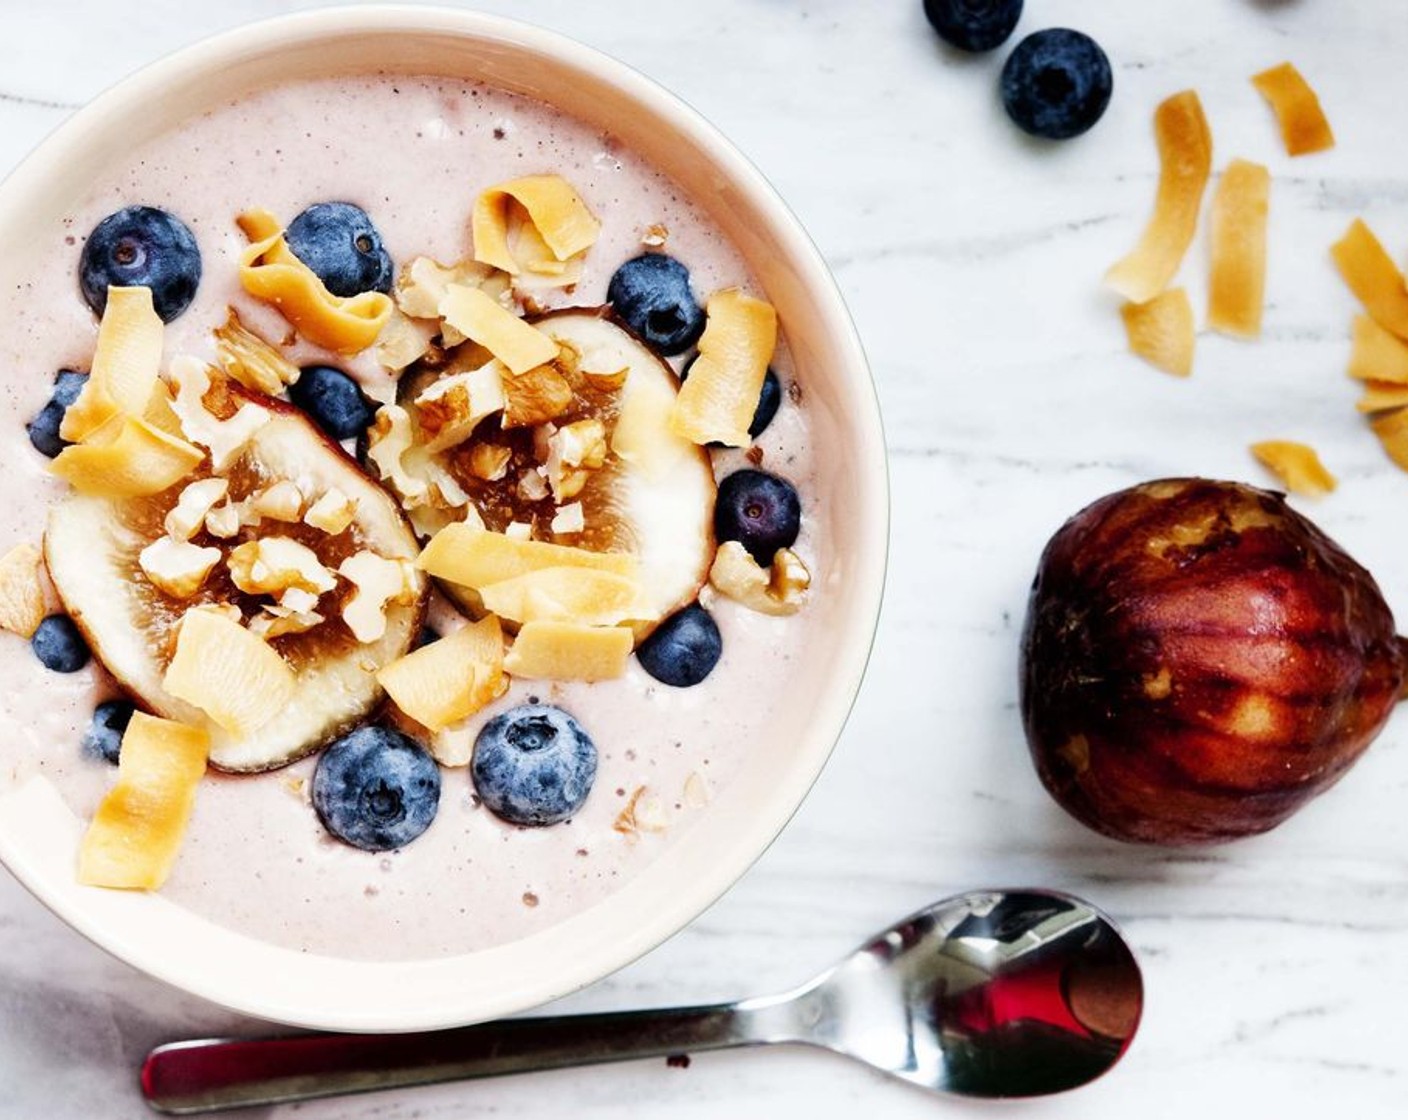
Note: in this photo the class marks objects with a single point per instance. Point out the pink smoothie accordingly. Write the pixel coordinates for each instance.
(413, 152)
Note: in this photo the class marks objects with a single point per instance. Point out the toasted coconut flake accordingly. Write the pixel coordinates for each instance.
(1296, 465)
(555, 211)
(178, 568)
(1185, 155)
(1382, 396)
(1377, 355)
(568, 651)
(233, 676)
(1237, 288)
(378, 582)
(126, 365)
(450, 679)
(1392, 430)
(717, 403)
(779, 590)
(126, 458)
(567, 594)
(250, 360)
(480, 317)
(1162, 331)
(1303, 125)
(476, 558)
(22, 606)
(186, 518)
(332, 512)
(270, 271)
(1373, 277)
(655, 236)
(136, 834)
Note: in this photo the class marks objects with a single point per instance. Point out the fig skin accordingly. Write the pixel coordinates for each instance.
(1198, 661)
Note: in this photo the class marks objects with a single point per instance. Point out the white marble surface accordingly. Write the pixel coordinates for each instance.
(971, 259)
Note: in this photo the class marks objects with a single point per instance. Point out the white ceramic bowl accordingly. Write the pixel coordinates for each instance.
(38, 836)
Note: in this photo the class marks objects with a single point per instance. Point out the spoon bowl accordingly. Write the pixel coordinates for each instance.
(988, 994)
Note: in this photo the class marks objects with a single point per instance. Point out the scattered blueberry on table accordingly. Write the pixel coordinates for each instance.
(533, 765)
(338, 241)
(333, 401)
(44, 428)
(59, 645)
(103, 738)
(760, 511)
(141, 247)
(1057, 83)
(651, 295)
(376, 789)
(973, 25)
(683, 649)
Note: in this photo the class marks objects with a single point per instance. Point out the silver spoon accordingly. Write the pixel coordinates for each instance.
(988, 994)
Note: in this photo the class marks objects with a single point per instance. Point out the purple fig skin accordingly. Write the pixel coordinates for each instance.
(1199, 661)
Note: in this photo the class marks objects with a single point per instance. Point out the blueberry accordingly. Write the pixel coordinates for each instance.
(651, 295)
(684, 648)
(44, 428)
(333, 401)
(104, 735)
(59, 645)
(1056, 83)
(973, 25)
(141, 247)
(376, 789)
(533, 765)
(769, 399)
(760, 511)
(339, 243)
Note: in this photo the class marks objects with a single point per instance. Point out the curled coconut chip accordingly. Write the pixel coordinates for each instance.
(126, 365)
(1162, 332)
(450, 679)
(271, 272)
(1297, 107)
(558, 225)
(1185, 155)
(126, 458)
(1296, 465)
(482, 319)
(1236, 290)
(134, 837)
(717, 402)
(233, 676)
(476, 558)
(1382, 396)
(569, 651)
(1373, 277)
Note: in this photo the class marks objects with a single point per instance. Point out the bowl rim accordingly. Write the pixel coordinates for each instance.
(859, 625)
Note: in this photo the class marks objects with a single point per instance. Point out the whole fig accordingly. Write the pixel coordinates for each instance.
(1199, 660)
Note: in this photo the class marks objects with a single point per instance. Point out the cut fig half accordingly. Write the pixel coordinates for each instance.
(652, 496)
(92, 548)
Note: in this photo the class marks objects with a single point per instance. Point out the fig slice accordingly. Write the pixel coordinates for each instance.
(1185, 155)
(92, 546)
(1199, 660)
(647, 510)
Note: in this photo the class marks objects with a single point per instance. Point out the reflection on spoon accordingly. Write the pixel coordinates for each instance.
(988, 994)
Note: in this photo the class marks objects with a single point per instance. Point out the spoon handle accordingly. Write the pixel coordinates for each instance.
(183, 1078)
